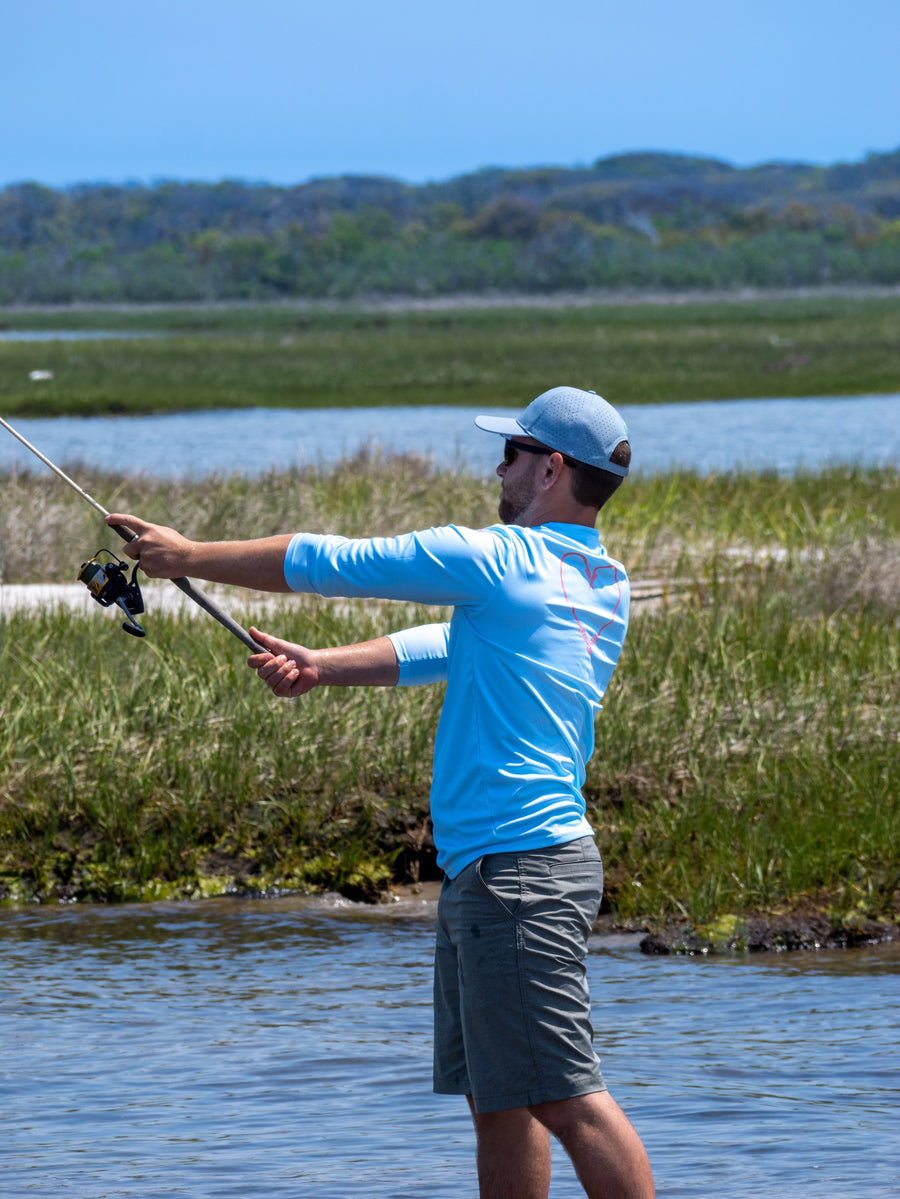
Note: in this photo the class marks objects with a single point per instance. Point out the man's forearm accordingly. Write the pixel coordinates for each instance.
(291, 670)
(257, 564)
(367, 664)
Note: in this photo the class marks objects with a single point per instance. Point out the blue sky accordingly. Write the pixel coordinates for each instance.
(284, 90)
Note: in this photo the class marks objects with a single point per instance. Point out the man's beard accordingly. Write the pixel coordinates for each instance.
(514, 501)
(506, 511)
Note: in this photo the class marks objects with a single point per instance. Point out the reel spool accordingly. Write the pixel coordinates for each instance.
(109, 584)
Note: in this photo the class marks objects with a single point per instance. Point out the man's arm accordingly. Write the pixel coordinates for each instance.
(291, 670)
(165, 554)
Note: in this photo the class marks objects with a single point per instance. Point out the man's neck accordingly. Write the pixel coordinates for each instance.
(541, 512)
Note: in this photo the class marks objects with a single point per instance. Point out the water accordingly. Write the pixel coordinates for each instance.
(282, 1049)
(777, 433)
(76, 335)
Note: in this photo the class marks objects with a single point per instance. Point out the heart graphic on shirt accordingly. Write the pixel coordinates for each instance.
(582, 567)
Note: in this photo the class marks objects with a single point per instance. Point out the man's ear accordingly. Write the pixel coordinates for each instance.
(553, 471)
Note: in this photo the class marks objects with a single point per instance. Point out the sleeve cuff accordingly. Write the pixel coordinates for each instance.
(421, 654)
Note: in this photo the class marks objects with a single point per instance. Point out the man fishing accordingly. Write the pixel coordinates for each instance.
(539, 617)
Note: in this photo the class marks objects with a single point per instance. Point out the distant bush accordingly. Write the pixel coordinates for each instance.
(642, 220)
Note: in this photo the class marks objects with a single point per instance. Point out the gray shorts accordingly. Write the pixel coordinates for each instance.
(512, 1011)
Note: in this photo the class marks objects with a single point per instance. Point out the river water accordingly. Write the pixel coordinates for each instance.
(781, 434)
(282, 1048)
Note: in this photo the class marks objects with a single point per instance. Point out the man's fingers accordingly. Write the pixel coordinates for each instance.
(273, 647)
(284, 667)
(285, 688)
(274, 644)
(133, 522)
(276, 669)
(280, 673)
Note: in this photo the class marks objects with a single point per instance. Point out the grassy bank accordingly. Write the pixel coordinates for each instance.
(748, 757)
(283, 356)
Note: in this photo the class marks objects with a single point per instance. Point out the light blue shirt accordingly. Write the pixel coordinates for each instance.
(539, 619)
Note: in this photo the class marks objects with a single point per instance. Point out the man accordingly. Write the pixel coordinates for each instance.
(540, 613)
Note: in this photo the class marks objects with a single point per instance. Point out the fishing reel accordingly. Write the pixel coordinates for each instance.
(108, 583)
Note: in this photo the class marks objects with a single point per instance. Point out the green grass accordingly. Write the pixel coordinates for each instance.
(159, 761)
(289, 356)
(748, 754)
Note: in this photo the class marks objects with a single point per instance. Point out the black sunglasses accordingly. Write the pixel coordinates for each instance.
(511, 450)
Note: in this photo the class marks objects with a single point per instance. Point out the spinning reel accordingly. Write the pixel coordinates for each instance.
(108, 583)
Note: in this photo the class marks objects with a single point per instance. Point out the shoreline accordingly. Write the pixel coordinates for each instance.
(806, 930)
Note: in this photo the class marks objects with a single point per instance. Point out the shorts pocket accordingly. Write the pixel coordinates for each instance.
(499, 876)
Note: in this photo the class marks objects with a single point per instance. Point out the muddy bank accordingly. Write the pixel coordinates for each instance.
(806, 929)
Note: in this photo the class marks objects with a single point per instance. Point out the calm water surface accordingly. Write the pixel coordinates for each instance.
(39, 335)
(283, 1048)
(720, 435)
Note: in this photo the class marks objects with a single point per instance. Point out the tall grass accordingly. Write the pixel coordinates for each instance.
(748, 755)
(675, 524)
(163, 767)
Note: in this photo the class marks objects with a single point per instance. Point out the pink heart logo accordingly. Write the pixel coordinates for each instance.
(584, 571)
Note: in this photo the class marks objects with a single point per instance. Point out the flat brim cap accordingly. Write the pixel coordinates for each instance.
(505, 425)
(580, 424)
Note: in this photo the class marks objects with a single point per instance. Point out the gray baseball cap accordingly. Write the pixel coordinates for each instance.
(579, 424)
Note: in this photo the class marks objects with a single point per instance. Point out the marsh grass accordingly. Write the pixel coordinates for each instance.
(674, 524)
(163, 767)
(283, 356)
(45, 526)
(748, 755)
(751, 751)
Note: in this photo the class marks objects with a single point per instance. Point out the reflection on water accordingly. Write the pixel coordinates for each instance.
(283, 1048)
(759, 434)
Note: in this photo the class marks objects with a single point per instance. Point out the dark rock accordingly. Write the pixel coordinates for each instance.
(653, 944)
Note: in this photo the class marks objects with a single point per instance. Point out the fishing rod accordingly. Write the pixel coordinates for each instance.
(106, 580)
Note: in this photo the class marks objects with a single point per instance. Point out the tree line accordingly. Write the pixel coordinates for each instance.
(638, 220)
